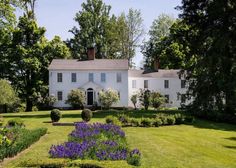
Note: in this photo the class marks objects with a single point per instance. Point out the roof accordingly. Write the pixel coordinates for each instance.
(97, 64)
(161, 73)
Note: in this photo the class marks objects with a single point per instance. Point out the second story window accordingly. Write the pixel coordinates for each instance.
(103, 77)
(118, 78)
(145, 84)
(90, 77)
(59, 77)
(59, 96)
(166, 84)
(73, 77)
(134, 84)
(183, 83)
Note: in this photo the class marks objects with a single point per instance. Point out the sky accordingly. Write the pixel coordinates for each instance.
(57, 16)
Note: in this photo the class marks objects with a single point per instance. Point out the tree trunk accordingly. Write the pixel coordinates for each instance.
(29, 105)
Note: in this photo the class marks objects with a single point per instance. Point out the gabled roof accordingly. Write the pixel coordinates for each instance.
(161, 73)
(97, 64)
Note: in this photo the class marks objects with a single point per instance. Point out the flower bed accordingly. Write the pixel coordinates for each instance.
(15, 139)
(97, 142)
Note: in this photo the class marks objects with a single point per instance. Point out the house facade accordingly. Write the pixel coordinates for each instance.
(94, 75)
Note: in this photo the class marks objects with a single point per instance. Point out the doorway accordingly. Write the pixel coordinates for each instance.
(90, 97)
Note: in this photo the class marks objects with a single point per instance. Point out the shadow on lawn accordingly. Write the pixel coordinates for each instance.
(214, 125)
(231, 138)
(230, 147)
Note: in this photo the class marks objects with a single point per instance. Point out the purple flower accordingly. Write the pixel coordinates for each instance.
(135, 152)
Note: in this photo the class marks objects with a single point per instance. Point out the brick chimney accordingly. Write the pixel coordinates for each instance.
(156, 65)
(91, 53)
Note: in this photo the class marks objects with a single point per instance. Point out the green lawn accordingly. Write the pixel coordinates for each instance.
(203, 144)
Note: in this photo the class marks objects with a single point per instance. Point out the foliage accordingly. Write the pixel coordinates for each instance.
(134, 158)
(19, 139)
(108, 97)
(134, 99)
(124, 119)
(1, 120)
(94, 141)
(144, 98)
(135, 122)
(211, 38)
(157, 99)
(86, 115)
(17, 122)
(55, 115)
(146, 122)
(160, 29)
(170, 120)
(7, 93)
(76, 98)
(157, 122)
(113, 120)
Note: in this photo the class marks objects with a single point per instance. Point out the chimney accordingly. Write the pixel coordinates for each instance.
(91, 53)
(156, 64)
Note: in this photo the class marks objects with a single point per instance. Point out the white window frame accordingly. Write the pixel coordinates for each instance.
(73, 78)
(91, 77)
(61, 95)
(145, 84)
(166, 84)
(59, 78)
(103, 77)
(119, 77)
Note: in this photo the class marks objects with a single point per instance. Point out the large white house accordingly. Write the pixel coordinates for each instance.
(94, 75)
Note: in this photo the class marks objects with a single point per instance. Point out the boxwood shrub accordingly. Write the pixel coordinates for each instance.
(86, 115)
(55, 115)
(17, 122)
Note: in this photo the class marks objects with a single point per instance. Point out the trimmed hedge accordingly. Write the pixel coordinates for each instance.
(86, 115)
(23, 138)
(55, 115)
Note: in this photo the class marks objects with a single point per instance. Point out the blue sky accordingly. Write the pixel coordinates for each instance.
(58, 15)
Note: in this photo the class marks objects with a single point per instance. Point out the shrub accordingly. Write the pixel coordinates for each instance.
(17, 122)
(146, 122)
(1, 120)
(108, 97)
(179, 119)
(157, 99)
(55, 115)
(170, 120)
(134, 158)
(135, 122)
(76, 98)
(20, 139)
(189, 119)
(144, 98)
(86, 115)
(35, 108)
(124, 119)
(113, 120)
(134, 99)
(163, 119)
(157, 122)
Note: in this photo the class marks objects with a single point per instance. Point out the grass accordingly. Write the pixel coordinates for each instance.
(203, 144)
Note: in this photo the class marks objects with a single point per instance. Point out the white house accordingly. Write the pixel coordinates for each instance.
(94, 75)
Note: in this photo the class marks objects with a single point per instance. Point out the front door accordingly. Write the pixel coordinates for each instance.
(90, 97)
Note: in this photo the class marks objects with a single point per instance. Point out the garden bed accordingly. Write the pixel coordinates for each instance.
(96, 142)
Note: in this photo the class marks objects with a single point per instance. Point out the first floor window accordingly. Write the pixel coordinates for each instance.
(167, 98)
(59, 77)
(73, 77)
(145, 84)
(59, 96)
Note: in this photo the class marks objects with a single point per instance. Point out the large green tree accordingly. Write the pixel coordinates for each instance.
(93, 24)
(159, 33)
(212, 42)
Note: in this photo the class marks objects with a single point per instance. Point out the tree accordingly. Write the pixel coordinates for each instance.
(134, 23)
(157, 99)
(160, 29)
(212, 42)
(134, 99)
(144, 98)
(7, 94)
(76, 98)
(92, 20)
(108, 97)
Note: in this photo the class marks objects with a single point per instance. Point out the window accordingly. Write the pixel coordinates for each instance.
(103, 77)
(167, 98)
(183, 83)
(59, 96)
(166, 83)
(59, 77)
(145, 84)
(73, 77)
(90, 77)
(133, 83)
(118, 77)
